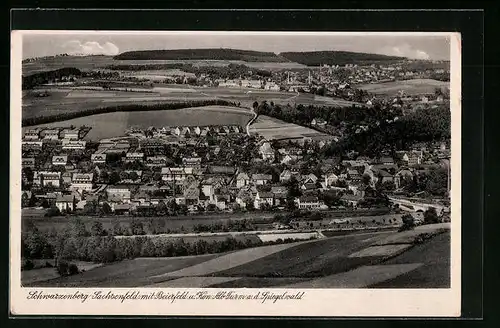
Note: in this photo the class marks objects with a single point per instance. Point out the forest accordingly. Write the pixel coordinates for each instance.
(201, 54)
(317, 58)
(33, 80)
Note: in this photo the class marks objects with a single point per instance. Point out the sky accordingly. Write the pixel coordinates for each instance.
(414, 46)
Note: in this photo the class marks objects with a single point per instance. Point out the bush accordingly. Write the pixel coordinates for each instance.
(73, 269)
(67, 269)
(28, 265)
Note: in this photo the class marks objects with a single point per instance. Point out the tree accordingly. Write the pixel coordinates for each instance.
(161, 208)
(78, 228)
(106, 209)
(366, 179)
(114, 178)
(408, 222)
(53, 211)
(430, 216)
(97, 229)
(136, 227)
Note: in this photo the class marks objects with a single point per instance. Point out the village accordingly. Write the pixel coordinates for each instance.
(188, 170)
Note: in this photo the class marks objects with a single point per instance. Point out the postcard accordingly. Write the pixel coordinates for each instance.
(224, 173)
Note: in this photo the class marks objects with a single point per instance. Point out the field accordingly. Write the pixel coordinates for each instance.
(272, 128)
(116, 124)
(410, 87)
(323, 263)
(99, 62)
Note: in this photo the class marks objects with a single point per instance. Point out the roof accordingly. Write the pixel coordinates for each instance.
(351, 197)
(242, 176)
(65, 199)
(265, 194)
(262, 177)
(384, 173)
(308, 199)
(122, 207)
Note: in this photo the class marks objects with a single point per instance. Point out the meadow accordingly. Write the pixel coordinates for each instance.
(271, 129)
(410, 87)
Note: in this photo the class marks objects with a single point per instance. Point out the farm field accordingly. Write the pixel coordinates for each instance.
(272, 128)
(115, 124)
(99, 62)
(321, 263)
(410, 87)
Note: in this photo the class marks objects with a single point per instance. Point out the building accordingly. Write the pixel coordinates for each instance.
(308, 203)
(262, 179)
(191, 161)
(266, 151)
(73, 144)
(47, 178)
(32, 134)
(31, 145)
(331, 179)
(263, 199)
(351, 200)
(71, 134)
(98, 158)
(156, 161)
(82, 181)
(177, 174)
(65, 203)
(242, 179)
(256, 84)
(118, 194)
(272, 86)
(59, 160)
(132, 157)
(28, 162)
(318, 122)
(51, 134)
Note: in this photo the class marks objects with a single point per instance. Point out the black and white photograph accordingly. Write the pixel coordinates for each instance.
(236, 160)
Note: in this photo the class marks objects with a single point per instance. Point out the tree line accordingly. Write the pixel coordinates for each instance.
(121, 108)
(201, 54)
(230, 71)
(76, 243)
(33, 80)
(316, 58)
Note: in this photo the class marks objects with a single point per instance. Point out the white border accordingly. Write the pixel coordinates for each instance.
(317, 302)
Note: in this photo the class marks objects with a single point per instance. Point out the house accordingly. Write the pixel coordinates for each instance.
(287, 159)
(307, 203)
(385, 160)
(262, 179)
(280, 194)
(175, 131)
(122, 209)
(309, 178)
(65, 203)
(32, 134)
(331, 179)
(401, 176)
(272, 86)
(98, 158)
(242, 180)
(351, 200)
(263, 199)
(31, 145)
(221, 201)
(28, 162)
(192, 193)
(191, 161)
(353, 175)
(82, 181)
(59, 160)
(51, 134)
(67, 177)
(118, 194)
(221, 170)
(413, 158)
(287, 175)
(308, 186)
(156, 161)
(266, 151)
(46, 178)
(384, 176)
(134, 156)
(71, 134)
(73, 144)
(177, 174)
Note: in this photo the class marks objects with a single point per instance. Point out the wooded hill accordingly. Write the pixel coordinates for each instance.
(201, 54)
(316, 58)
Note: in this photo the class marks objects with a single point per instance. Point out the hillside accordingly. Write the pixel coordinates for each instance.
(197, 54)
(316, 58)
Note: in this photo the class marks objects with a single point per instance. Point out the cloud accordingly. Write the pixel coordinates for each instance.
(75, 47)
(406, 51)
